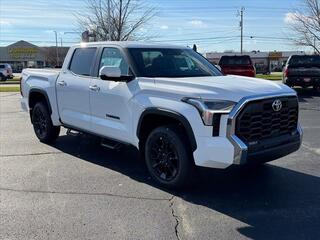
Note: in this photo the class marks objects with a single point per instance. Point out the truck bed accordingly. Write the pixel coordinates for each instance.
(41, 72)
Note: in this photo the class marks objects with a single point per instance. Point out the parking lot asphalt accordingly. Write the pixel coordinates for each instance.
(76, 189)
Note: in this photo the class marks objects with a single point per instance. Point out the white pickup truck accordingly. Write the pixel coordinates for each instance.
(167, 101)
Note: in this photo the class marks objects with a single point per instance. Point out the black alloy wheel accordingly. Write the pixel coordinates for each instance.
(164, 157)
(39, 123)
(42, 124)
(168, 156)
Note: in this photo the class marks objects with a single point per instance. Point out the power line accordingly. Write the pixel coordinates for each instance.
(195, 39)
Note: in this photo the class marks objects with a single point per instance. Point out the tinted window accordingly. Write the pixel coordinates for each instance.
(235, 60)
(168, 62)
(304, 60)
(112, 57)
(82, 61)
(2, 66)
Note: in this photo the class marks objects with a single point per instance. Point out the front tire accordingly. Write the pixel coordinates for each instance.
(42, 124)
(168, 157)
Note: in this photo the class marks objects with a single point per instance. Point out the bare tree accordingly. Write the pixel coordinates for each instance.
(115, 20)
(306, 24)
(50, 56)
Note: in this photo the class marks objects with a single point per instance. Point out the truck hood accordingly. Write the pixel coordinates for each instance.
(230, 87)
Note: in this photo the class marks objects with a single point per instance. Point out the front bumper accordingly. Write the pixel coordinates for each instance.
(220, 152)
(275, 148)
(274, 152)
(228, 149)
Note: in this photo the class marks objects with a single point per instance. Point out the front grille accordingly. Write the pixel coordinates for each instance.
(257, 121)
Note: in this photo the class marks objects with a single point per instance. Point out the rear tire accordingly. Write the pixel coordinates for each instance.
(168, 157)
(42, 124)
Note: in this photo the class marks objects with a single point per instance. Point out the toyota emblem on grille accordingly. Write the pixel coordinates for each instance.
(277, 105)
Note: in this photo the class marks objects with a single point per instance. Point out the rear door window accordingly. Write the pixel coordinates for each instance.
(82, 61)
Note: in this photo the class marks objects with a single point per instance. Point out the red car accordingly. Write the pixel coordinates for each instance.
(237, 65)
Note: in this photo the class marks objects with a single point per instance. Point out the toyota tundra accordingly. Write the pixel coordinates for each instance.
(169, 102)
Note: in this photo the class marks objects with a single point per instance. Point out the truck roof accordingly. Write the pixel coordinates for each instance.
(130, 44)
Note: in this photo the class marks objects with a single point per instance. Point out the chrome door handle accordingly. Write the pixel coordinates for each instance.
(94, 88)
(62, 83)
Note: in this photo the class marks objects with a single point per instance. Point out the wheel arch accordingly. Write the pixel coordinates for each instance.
(38, 95)
(167, 116)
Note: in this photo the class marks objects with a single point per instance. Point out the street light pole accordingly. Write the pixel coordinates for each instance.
(57, 53)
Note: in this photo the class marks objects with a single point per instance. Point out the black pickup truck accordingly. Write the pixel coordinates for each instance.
(303, 71)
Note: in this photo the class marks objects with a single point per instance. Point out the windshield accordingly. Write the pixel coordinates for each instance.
(235, 60)
(305, 60)
(171, 63)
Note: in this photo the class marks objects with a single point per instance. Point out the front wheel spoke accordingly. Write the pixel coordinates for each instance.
(156, 165)
(155, 152)
(171, 168)
(156, 155)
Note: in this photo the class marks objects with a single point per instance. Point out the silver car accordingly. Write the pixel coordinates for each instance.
(5, 71)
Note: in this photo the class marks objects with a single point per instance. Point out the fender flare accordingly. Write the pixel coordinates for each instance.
(42, 92)
(171, 114)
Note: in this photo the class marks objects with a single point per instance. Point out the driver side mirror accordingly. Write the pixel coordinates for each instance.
(113, 74)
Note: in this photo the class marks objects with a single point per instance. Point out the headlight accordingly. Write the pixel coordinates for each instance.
(207, 108)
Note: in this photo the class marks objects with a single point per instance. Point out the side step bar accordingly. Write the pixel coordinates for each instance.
(105, 142)
(108, 143)
(73, 133)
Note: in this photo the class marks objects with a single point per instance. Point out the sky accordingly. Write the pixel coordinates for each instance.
(211, 24)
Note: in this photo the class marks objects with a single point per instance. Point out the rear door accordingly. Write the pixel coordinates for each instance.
(73, 89)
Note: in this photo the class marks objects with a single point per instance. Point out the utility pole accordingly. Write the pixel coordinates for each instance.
(241, 28)
(57, 53)
(109, 23)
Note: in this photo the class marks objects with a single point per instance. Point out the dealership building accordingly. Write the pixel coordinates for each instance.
(23, 54)
(263, 61)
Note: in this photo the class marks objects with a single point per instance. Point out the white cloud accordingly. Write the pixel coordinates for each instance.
(292, 17)
(5, 22)
(197, 23)
(289, 17)
(164, 27)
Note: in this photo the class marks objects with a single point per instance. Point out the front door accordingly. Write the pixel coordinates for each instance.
(110, 113)
(73, 89)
